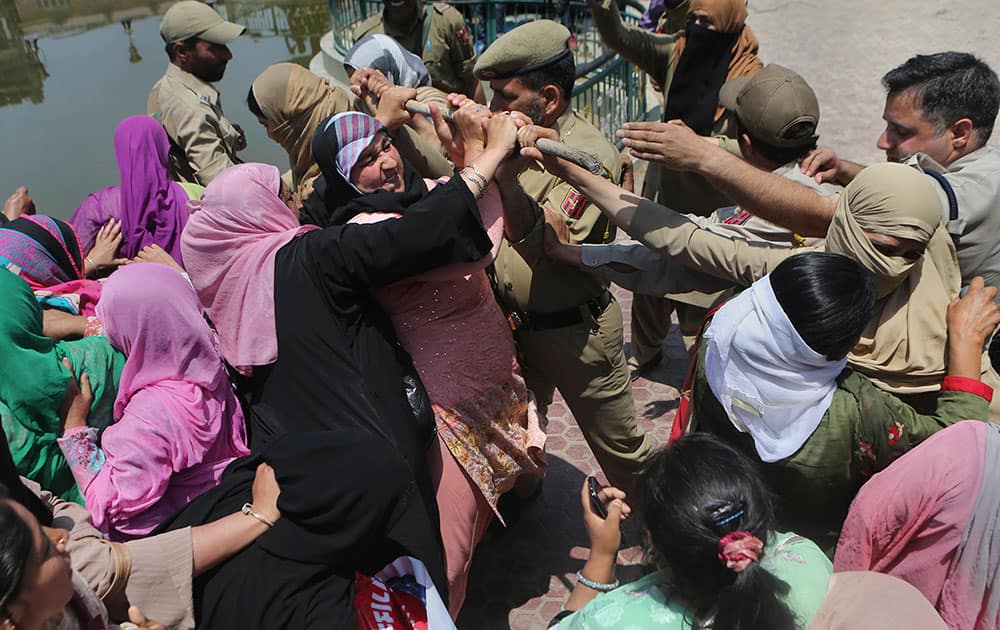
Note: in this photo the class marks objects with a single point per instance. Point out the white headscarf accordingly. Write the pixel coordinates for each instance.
(771, 384)
(386, 55)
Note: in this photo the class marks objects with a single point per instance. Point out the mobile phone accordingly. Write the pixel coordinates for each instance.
(595, 500)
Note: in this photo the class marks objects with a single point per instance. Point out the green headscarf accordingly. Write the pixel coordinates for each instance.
(33, 384)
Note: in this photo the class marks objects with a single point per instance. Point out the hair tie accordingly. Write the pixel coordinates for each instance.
(738, 549)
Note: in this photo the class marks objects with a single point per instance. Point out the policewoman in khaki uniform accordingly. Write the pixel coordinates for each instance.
(568, 326)
(203, 142)
(711, 44)
(437, 34)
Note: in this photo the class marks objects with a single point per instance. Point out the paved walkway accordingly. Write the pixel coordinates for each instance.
(522, 575)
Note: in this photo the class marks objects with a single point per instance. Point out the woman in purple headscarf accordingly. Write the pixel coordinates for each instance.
(151, 208)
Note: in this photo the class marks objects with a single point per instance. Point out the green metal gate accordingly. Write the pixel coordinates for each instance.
(609, 90)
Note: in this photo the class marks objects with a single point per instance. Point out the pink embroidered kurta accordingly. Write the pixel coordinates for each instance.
(461, 344)
(178, 423)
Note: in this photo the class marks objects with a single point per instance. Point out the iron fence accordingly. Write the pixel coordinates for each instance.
(609, 90)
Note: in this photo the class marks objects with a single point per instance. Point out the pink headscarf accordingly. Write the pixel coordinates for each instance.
(928, 519)
(229, 247)
(152, 315)
(173, 383)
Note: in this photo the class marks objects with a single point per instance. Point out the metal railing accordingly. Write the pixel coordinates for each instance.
(609, 90)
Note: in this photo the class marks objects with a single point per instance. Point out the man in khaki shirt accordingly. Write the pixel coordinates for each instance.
(203, 142)
(568, 326)
(437, 34)
(939, 113)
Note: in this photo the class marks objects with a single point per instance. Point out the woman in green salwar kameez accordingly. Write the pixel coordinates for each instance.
(772, 380)
(34, 381)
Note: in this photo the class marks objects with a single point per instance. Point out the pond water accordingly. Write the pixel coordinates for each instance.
(70, 70)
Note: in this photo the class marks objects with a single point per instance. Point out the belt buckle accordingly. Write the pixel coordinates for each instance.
(515, 320)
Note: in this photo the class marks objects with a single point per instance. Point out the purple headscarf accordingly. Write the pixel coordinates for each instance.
(152, 207)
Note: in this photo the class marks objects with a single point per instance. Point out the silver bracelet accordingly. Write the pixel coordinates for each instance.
(597, 586)
(473, 178)
(248, 510)
(478, 172)
(476, 176)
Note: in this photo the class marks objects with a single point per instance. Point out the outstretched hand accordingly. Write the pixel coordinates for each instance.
(671, 144)
(104, 253)
(973, 317)
(822, 164)
(156, 254)
(76, 404)
(265, 493)
(18, 204)
(605, 533)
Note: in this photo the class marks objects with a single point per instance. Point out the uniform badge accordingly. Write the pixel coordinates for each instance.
(738, 218)
(573, 204)
(205, 99)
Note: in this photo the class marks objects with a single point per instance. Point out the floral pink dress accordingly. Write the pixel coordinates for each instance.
(450, 323)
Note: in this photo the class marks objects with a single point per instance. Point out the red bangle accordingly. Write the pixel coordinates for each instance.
(968, 385)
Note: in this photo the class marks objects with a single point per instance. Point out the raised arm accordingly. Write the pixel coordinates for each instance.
(671, 233)
(651, 52)
(772, 197)
(444, 227)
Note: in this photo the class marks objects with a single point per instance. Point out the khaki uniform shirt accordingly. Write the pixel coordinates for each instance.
(653, 54)
(974, 183)
(448, 51)
(204, 142)
(548, 287)
(662, 276)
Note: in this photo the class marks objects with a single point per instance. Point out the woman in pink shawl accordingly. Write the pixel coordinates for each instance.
(150, 207)
(178, 423)
(447, 319)
(933, 519)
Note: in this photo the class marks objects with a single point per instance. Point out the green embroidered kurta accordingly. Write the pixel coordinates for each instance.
(864, 430)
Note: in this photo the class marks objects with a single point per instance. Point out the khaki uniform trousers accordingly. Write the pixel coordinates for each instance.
(651, 324)
(586, 363)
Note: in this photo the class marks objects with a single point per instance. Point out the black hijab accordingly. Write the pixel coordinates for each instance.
(348, 503)
(16, 490)
(701, 71)
(335, 201)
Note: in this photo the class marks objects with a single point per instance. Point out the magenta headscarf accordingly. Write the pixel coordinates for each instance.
(173, 374)
(931, 519)
(152, 207)
(229, 248)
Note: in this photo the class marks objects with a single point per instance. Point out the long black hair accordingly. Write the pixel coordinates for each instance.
(691, 494)
(15, 548)
(829, 298)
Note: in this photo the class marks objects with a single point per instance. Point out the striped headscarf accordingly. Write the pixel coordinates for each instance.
(41, 250)
(354, 131)
(46, 253)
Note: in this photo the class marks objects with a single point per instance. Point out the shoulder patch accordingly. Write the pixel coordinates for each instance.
(573, 204)
(738, 218)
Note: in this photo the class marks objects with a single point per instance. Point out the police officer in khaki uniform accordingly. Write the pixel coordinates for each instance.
(777, 114)
(437, 34)
(568, 326)
(656, 54)
(203, 142)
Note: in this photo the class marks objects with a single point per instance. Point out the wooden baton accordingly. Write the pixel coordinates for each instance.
(551, 147)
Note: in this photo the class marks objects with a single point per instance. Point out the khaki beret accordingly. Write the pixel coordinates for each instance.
(527, 48)
(770, 103)
(191, 18)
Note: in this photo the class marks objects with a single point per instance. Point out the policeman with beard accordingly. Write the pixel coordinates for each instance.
(203, 142)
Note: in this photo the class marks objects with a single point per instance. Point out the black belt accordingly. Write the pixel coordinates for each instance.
(560, 319)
